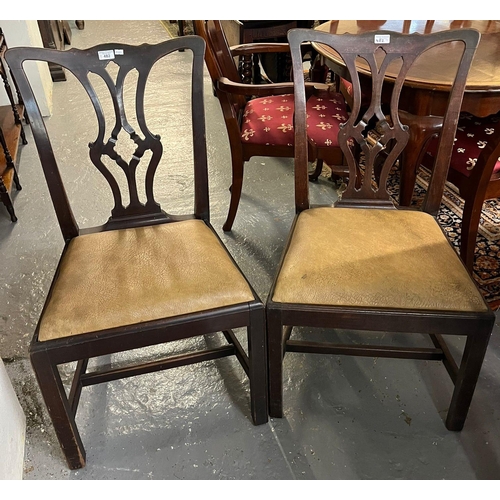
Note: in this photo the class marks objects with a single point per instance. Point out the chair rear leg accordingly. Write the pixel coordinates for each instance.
(468, 374)
(257, 353)
(59, 410)
(275, 350)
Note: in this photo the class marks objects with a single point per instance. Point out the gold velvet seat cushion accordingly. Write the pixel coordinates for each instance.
(374, 258)
(128, 276)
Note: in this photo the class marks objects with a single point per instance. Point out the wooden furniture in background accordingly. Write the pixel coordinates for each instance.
(276, 66)
(363, 265)
(145, 277)
(232, 94)
(55, 35)
(259, 118)
(11, 132)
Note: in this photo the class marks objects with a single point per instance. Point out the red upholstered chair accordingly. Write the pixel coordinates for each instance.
(263, 124)
(474, 170)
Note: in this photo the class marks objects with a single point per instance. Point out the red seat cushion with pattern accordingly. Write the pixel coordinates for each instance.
(471, 137)
(324, 116)
(269, 120)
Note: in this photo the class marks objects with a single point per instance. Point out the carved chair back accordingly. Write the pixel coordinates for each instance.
(220, 64)
(373, 138)
(89, 67)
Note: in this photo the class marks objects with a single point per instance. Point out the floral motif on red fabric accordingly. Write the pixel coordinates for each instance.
(471, 137)
(269, 120)
(324, 116)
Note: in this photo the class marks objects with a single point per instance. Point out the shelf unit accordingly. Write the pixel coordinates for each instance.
(11, 133)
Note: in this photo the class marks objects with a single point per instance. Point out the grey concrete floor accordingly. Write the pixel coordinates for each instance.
(345, 418)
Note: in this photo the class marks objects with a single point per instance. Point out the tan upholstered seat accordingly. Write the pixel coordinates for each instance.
(93, 291)
(366, 267)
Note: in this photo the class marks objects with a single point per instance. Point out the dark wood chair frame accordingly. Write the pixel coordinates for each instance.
(282, 317)
(47, 355)
(233, 96)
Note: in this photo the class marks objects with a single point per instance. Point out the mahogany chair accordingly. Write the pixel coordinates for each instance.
(474, 167)
(145, 277)
(259, 118)
(363, 264)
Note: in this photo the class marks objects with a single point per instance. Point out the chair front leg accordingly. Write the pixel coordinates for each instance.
(468, 374)
(275, 350)
(59, 409)
(236, 187)
(257, 353)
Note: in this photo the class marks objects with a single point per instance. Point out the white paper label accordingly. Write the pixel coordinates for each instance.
(106, 54)
(118, 52)
(382, 38)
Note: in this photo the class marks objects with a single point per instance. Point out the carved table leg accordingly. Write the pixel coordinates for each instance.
(422, 129)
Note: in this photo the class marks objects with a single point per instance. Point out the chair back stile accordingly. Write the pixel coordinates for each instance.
(377, 134)
(221, 64)
(83, 63)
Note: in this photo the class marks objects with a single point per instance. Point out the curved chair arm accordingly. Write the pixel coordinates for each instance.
(226, 85)
(258, 48)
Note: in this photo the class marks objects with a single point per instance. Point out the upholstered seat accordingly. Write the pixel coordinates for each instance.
(421, 256)
(269, 120)
(122, 284)
(473, 133)
(325, 113)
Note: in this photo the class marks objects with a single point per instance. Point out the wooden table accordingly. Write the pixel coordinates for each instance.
(429, 80)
